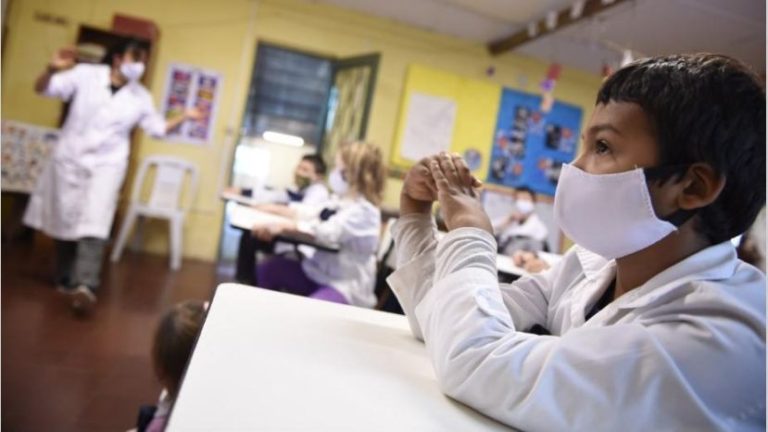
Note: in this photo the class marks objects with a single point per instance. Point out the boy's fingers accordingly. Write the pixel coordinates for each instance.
(449, 169)
(468, 181)
(437, 173)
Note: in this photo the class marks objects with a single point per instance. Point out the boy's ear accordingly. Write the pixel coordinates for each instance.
(702, 186)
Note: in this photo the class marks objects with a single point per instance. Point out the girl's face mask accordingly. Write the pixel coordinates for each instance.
(337, 182)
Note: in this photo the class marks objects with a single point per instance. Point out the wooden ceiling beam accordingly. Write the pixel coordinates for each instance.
(564, 19)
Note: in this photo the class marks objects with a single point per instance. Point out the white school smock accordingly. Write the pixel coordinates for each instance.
(532, 228)
(315, 194)
(315, 197)
(78, 189)
(355, 228)
(684, 351)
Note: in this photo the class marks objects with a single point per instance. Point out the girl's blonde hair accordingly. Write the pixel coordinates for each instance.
(364, 169)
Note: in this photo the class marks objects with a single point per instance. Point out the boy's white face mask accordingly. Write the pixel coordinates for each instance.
(610, 214)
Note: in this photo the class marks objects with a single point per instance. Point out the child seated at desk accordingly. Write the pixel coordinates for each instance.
(353, 223)
(171, 350)
(310, 190)
(522, 230)
(653, 321)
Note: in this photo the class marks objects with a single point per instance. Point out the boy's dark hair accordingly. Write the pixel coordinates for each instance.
(131, 45)
(704, 108)
(317, 161)
(526, 189)
(174, 339)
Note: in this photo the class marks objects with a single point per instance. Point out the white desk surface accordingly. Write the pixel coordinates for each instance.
(244, 217)
(240, 199)
(267, 361)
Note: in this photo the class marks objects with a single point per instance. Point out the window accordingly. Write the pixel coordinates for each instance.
(288, 94)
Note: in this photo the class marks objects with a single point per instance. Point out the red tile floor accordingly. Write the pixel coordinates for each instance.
(64, 373)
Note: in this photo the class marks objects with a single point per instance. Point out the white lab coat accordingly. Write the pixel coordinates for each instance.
(78, 190)
(352, 271)
(685, 351)
(531, 228)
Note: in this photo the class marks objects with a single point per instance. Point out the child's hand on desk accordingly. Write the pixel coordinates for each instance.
(459, 201)
(529, 262)
(267, 233)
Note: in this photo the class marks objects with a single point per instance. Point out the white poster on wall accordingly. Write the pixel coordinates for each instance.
(429, 126)
(191, 87)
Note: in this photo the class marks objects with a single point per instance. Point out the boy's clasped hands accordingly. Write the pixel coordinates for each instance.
(445, 178)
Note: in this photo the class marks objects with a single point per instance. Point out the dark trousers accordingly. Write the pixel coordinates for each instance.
(79, 262)
(246, 257)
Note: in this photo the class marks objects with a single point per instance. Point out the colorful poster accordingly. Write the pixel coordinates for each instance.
(191, 87)
(25, 151)
(530, 146)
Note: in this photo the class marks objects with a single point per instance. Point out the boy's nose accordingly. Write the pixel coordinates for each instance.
(579, 162)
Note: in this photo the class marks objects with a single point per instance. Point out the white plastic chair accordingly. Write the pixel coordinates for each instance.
(163, 203)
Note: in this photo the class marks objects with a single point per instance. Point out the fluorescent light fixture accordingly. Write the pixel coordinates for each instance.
(281, 138)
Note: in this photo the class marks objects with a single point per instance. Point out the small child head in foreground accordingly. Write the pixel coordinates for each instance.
(174, 339)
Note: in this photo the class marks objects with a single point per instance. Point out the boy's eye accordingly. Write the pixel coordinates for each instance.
(601, 147)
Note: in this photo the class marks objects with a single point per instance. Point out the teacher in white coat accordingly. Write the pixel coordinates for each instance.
(76, 196)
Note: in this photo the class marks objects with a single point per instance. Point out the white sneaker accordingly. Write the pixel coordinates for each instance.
(83, 299)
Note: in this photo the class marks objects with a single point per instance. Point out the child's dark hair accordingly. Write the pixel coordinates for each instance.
(174, 339)
(526, 189)
(128, 45)
(317, 161)
(704, 108)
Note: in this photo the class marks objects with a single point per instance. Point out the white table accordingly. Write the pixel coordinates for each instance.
(268, 361)
(245, 218)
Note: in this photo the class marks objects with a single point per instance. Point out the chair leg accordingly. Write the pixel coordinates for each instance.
(138, 234)
(122, 237)
(176, 242)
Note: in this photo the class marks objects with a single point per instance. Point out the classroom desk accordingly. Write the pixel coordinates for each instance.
(268, 361)
(245, 218)
(260, 197)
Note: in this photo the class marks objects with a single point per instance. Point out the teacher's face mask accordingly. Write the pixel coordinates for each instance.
(132, 71)
(611, 214)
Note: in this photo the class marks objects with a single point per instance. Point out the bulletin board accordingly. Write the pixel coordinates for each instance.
(444, 111)
(529, 146)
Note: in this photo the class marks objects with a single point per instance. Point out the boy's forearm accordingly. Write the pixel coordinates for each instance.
(409, 205)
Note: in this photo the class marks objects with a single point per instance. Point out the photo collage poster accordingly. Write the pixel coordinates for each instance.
(26, 150)
(191, 87)
(530, 146)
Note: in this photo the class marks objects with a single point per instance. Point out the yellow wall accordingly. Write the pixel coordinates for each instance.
(221, 35)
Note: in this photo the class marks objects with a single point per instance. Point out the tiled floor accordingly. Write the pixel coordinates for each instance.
(64, 373)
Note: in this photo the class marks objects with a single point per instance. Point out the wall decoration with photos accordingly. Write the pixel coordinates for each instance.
(187, 87)
(530, 146)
